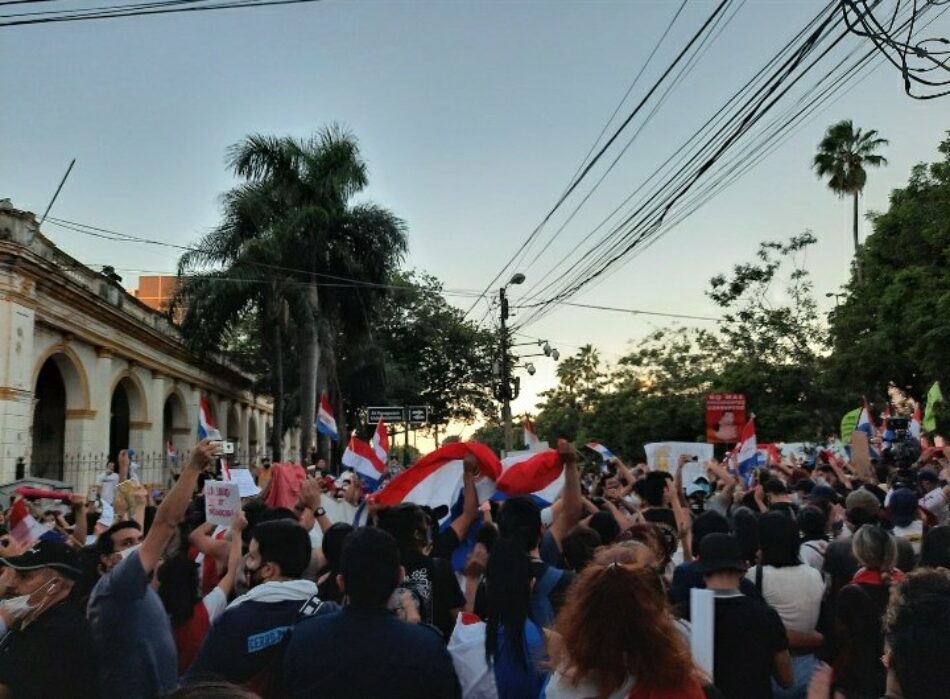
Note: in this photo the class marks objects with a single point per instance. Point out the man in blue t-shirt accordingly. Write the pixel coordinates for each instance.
(131, 630)
(246, 643)
(364, 650)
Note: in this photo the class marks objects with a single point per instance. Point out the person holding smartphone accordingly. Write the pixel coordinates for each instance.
(46, 648)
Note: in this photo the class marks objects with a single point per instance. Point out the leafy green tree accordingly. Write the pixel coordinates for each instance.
(843, 154)
(423, 352)
(896, 327)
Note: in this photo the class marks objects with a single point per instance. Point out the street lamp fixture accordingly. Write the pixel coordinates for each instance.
(517, 278)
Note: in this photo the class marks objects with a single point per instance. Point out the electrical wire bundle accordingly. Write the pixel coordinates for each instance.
(916, 59)
(757, 119)
(92, 11)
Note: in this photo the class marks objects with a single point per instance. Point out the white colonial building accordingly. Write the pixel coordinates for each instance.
(86, 370)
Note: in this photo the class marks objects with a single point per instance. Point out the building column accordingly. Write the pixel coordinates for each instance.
(17, 303)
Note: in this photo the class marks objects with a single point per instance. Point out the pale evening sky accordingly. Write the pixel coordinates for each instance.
(473, 116)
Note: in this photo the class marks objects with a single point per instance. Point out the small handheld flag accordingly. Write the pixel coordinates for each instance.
(362, 458)
(604, 452)
(747, 450)
(915, 422)
(206, 427)
(23, 526)
(326, 422)
(934, 396)
(381, 443)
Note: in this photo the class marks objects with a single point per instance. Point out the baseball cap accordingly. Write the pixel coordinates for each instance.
(720, 552)
(47, 554)
(928, 475)
(863, 499)
(903, 505)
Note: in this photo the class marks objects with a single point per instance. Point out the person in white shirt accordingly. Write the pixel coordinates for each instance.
(794, 590)
(905, 517)
(936, 499)
(107, 483)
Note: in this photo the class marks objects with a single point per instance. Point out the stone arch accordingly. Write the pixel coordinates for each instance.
(233, 424)
(72, 371)
(48, 449)
(128, 412)
(174, 416)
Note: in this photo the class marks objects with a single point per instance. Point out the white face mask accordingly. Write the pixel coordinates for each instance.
(128, 552)
(17, 607)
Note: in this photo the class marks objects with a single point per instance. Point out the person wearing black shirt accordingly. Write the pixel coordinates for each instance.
(431, 580)
(47, 648)
(749, 639)
(364, 650)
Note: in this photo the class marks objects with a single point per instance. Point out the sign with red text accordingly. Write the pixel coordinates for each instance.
(222, 502)
(725, 417)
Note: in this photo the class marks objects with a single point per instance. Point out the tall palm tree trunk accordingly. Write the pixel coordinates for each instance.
(277, 383)
(309, 365)
(857, 258)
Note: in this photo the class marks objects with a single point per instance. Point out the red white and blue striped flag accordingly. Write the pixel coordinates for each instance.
(436, 479)
(326, 422)
(540, 475)
(206, 426)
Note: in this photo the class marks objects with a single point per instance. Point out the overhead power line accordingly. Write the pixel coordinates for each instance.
(136, 10)
(722, 153)
(593, 161)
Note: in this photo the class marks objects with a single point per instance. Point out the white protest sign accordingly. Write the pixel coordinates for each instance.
(663, 456)
(702, 612)
(246, 485)
(222, 501)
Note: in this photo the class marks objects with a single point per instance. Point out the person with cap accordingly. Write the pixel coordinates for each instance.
(46, 648)
(905, 518)
(936, 496)
(749, 638)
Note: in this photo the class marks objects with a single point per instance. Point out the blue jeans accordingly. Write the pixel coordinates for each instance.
(802, 668)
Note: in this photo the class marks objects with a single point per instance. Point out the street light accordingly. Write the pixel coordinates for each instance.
(516, 278)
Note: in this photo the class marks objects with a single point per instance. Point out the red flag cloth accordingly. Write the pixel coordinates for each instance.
(36, 493)
(399, 487)
(532, 475)
(285, 483)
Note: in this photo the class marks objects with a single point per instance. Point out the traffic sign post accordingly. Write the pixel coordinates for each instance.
(418, 414)
(388, 414)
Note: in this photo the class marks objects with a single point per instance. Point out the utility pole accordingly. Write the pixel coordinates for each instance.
(505, 392)
(507, 389)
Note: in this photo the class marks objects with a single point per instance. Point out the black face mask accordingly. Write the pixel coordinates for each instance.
(253, 576)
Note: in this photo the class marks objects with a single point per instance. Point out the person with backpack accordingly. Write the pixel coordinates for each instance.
(246, 644)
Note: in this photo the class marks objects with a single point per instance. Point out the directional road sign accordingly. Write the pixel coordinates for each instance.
(418, 414)
(389, 414)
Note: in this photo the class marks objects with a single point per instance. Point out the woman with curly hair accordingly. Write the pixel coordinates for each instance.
(615, 638)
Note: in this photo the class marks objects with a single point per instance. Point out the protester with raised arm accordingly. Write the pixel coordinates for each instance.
(131, 630)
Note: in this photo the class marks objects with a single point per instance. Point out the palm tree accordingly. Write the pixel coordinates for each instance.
(295, 221)
(842, 157)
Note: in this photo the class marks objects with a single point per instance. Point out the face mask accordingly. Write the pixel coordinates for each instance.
(253, 576)
(17, 607)
(128, 552)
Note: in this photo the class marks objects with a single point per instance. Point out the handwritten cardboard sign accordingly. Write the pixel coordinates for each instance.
(861, 455)
(222, 501)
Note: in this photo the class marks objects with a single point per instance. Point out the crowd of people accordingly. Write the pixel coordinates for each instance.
(825, 584)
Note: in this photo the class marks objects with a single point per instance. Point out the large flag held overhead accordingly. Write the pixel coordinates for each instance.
(531, 440)
(747, 450)
(934, 396)
(540, 475)
(362, 458)
(206, 426)
(436, 479)
(326, 421)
